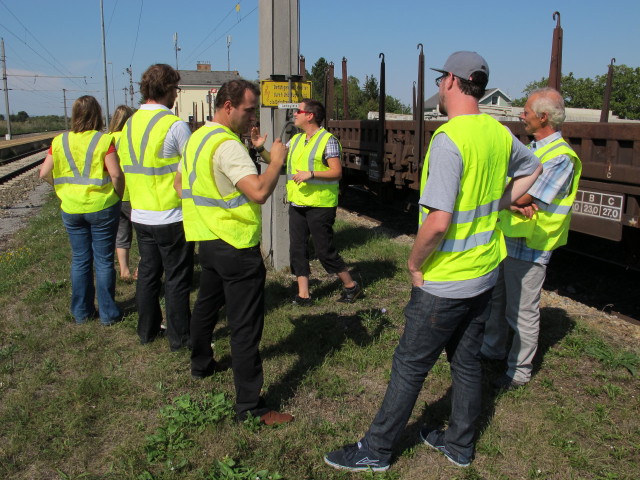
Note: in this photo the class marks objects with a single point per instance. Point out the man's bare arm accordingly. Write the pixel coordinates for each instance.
(427, 240)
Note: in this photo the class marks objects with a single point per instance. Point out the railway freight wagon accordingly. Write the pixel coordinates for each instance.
(607, 203)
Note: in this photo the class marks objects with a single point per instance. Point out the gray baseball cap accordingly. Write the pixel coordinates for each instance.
(463, 64)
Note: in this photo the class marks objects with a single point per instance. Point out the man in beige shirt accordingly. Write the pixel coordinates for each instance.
(221, 193)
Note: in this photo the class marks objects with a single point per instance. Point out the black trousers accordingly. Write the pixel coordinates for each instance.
(163, 248)
(317, 222)
(235, 278)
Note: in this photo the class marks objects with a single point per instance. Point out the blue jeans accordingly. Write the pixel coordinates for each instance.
(433, 324)
(92, 237)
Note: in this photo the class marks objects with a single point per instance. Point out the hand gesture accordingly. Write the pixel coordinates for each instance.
(256, 139)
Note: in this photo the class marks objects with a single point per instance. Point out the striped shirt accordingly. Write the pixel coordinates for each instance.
(553, 182)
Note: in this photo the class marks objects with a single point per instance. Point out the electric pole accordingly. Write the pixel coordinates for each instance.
(64, 99)
(176, 47)
(6, 89)
(228, 53)
(279, 54)
(130, 72)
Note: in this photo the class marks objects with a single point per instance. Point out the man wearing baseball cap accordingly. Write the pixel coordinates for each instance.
(453, 267)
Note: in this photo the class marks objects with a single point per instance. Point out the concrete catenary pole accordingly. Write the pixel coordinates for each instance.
(104, 62)
(6, 90)
(279, 54)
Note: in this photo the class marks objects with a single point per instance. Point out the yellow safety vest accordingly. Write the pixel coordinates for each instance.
(548, 229)
(80, 178)
(207, 215)
(314, 192)
(148, 175)
(116, 141)
(472, 245)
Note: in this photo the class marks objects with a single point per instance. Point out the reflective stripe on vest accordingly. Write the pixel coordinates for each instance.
(467, 216)
(193, 175)
(215, 202)
(81, 178)
(137, 165)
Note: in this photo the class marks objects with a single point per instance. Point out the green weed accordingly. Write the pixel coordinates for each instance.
(613, 358)
(181, 419)
(612, 391)
(252, 423)
(228, 469)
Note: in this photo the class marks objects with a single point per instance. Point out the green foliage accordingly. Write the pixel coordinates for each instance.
(317, 77)
(22, 116)
(589, 92)
(252, 423)
(184, 416)
(23, 123)
(227, 469)
(613, 359)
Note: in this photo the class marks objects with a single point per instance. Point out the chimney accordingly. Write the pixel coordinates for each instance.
(204, 66)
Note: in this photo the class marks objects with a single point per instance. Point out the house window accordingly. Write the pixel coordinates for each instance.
(494, 100)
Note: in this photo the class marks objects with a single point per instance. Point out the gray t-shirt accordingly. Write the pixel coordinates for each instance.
(441, 192)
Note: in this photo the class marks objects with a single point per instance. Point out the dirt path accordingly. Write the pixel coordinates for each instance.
(20, 199)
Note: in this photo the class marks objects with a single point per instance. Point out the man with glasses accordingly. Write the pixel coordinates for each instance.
(533, 228)
(150, 148)
(314, 170)
(453, 267)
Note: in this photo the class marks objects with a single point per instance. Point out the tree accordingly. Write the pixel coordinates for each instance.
(589, 92)
(317, 77)
(625, 95)
(22, 116)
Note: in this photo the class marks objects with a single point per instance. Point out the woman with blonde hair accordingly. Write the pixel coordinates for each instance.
(125, 231)
(83, 167)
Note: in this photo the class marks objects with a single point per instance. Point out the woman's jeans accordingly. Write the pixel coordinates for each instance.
(92, 237)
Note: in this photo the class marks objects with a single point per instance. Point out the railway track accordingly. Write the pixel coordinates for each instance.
(13, 167)
(591, 271)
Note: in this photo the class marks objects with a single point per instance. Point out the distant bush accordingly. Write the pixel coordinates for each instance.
(45, 123)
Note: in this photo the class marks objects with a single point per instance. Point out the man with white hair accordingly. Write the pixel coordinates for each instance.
(536, 225)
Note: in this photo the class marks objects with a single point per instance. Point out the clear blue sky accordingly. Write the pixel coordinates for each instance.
(514, 36)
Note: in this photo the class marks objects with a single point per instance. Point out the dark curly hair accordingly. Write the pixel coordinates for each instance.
(158, 80)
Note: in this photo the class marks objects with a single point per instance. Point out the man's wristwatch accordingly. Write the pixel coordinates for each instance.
(260, 149)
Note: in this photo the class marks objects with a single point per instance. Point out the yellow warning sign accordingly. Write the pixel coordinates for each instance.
(273, 93)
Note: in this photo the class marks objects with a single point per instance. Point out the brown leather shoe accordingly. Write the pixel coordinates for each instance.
(276, 418)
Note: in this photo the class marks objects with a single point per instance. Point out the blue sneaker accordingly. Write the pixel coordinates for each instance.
(435, 439)
(356, 458)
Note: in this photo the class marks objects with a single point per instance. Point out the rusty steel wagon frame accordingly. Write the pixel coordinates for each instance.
(390, 153)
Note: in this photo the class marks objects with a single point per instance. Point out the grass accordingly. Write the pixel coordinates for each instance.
(88, 402)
